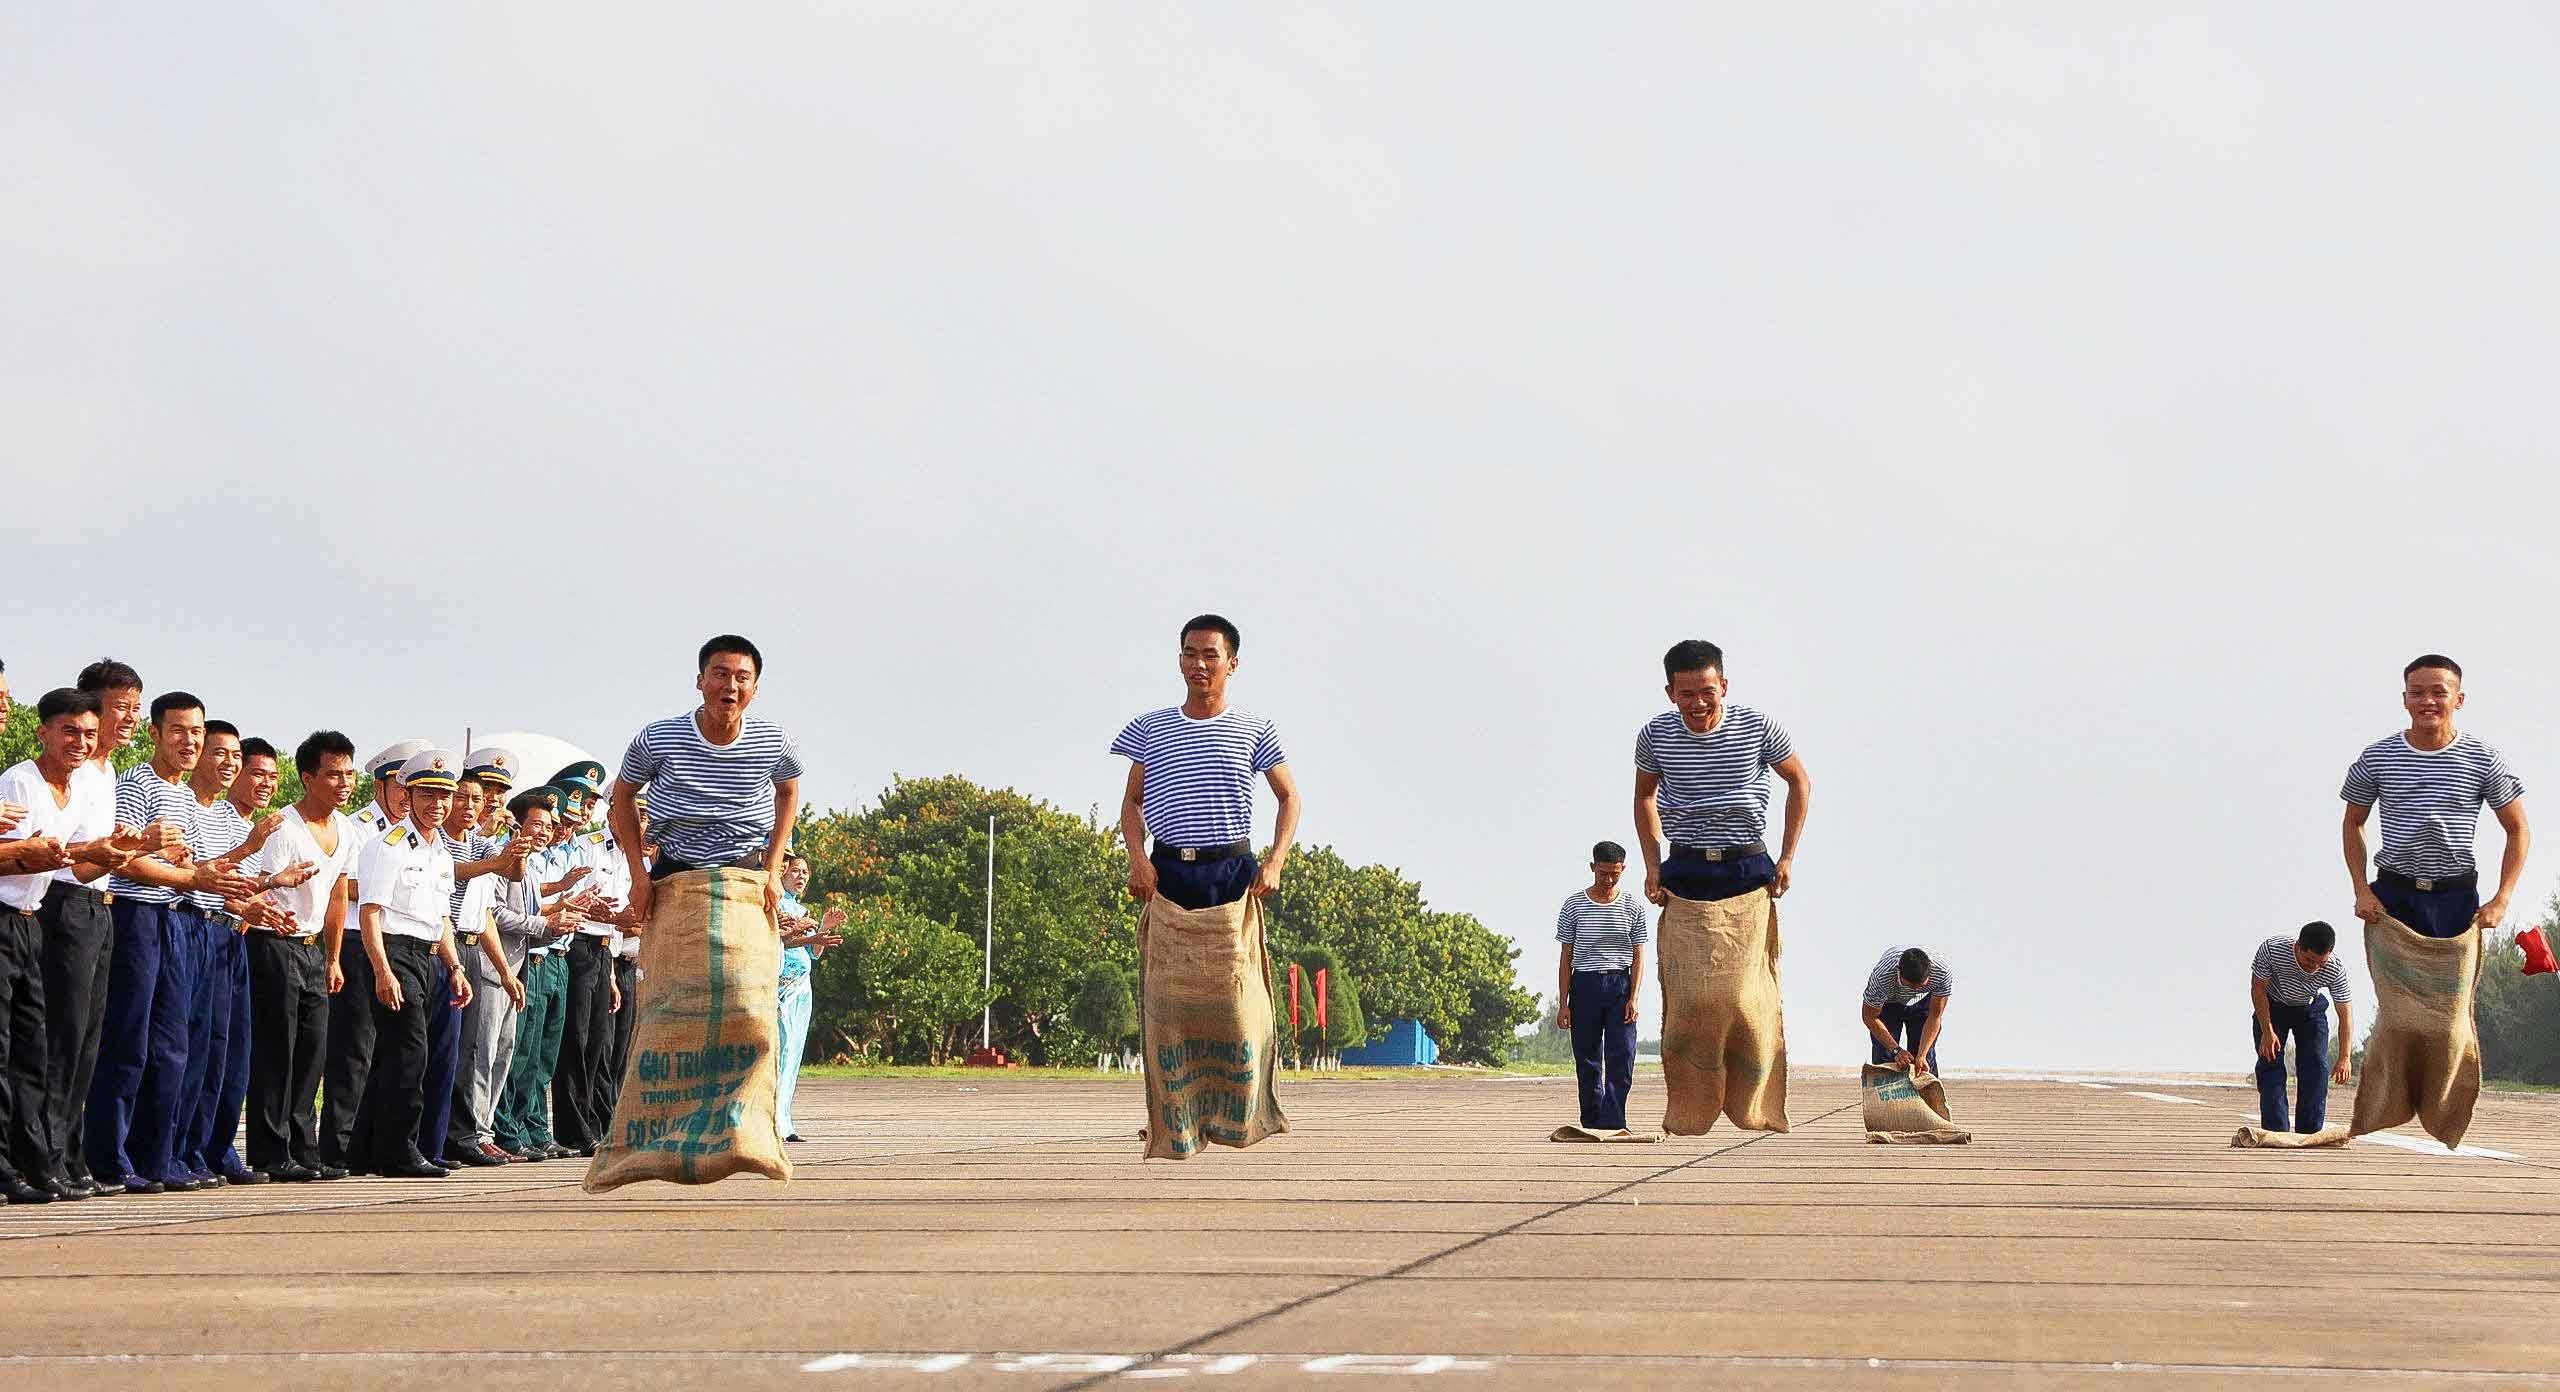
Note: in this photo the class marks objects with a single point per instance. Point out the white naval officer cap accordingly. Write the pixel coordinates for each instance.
(392, 759)
(432, 768)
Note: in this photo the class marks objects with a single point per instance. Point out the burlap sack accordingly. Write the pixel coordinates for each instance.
(1724, 1039)
(2423, 1058)
(1586, 1134)
(697, 1092)
(2259, 1138)
(1906, 1106)
(1205, 1028)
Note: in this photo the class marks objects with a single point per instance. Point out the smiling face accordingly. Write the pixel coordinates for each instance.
(2431, 695)
(727, 683)
(1698, 696)
(180, 739)
(428, 807)
(220, 762)
(70, 740)
(256, 785)
(120, 715)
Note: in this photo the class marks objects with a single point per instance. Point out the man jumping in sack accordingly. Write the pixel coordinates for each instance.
(1186, 815)
(1702, 783)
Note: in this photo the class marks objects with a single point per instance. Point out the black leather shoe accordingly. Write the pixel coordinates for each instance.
(448, 1166)
(586, 1152)
(136, 1184)
(329, 1172)
(558, 1151)
(472, 1158)
(18, 1191)
(106, 1188)
(414, 1167)
(179, 1183)
(793, 1138)
(291, 1173)
(69, 1190)
(243, 1177)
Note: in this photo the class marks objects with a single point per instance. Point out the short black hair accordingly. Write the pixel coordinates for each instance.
(2319, 937)
(221, 727)
(66, 700)
(256, 748)
(1217, 624)
(320, 744)
(168, 701)
(522, 804)
(106, 674)
(727, 643)
(1914, 966)
(474, 780)
(1609, 853)
(1691, 655)
(2425, 660)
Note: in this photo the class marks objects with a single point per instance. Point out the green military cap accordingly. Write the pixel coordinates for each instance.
(585, 776)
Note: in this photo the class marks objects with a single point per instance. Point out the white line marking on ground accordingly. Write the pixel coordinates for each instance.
(2164, 1097)
(2431, 1146)
(2102, 1087)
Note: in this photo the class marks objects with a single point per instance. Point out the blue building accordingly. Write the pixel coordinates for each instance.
(1407, 1045)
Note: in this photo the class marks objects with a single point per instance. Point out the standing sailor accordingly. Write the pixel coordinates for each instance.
(293, 965)
(1603, 930)
(578, 1110)
(349, 1069)
(2287, 978)
(405, 884)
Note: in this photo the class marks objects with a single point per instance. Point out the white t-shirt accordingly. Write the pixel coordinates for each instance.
(24, 785)
(295, 843)
(93, 793)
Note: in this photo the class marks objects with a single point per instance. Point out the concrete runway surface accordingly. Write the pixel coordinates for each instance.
(1003, 1233)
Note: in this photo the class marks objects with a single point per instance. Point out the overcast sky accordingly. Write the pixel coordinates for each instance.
(2068, 428)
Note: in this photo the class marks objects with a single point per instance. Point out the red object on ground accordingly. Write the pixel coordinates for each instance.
(1293, 995)
(988, 1058)
(1320, 971)
(2537, 953)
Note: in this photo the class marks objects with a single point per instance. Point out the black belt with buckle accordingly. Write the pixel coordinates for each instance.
(2469, 879)
(1189, 854)
(1720, 853)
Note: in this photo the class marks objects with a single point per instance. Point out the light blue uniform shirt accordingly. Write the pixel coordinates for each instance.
(796, 961)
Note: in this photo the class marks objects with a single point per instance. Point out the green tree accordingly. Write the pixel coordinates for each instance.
(902, 987)
(1105, 1010)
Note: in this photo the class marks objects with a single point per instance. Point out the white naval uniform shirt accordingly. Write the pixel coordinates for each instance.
(411, 876)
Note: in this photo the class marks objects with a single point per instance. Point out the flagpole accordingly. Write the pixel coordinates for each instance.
(987, 972)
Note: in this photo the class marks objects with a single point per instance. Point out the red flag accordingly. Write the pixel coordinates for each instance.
(2537, 953)
(1320, 997)
(1293, 995)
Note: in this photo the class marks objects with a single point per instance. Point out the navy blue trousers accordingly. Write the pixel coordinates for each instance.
(444, 1059)
(1903, 1022)
(1204, 884)
(213, 1146)
(2442, 912)
(1696, 878)
(207, 997)
(2308, 1027)
(1604, 1046)
(142, 1044)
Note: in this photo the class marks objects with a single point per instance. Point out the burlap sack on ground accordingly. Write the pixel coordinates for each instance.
(1205, 1028)
(2260, 1138)
(1724, 1039)
(2423, 1058)
(1906, 1106)
(1586, 1134)
(697, 1092)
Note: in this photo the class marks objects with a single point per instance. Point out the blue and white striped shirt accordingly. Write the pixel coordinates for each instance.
(710, 804)
(471, 845)
(1715, 787)
(2430, 801)
(2289, 984)
(144, 797)
(1884, 984)
(1603, 936)
(219, 831)
(1198, 788)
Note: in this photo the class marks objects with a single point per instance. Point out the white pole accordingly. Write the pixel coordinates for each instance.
(987, 974)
